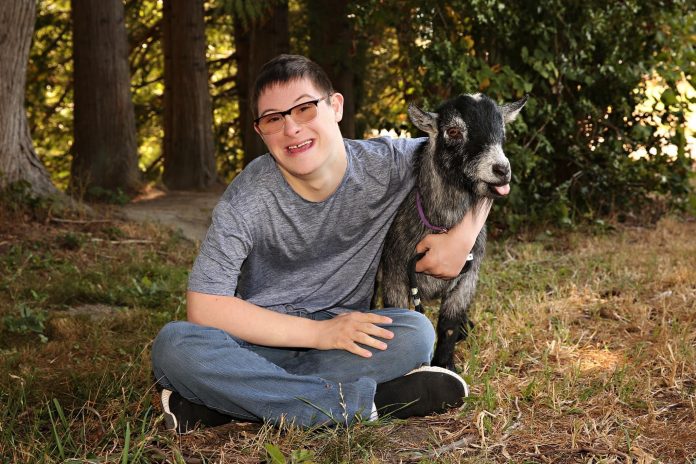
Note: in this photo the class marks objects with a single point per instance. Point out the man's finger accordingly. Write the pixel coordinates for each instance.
(365, 339)
(355, 349)
(377, 331)
(424, 245)
(372, 318)
(423, 264)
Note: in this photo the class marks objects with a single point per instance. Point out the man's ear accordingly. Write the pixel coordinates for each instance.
(337, 105)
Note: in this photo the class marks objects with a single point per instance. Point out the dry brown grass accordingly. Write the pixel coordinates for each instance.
(584, 351)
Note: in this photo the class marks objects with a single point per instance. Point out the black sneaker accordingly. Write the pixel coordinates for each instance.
(423, 391)
(182, 415)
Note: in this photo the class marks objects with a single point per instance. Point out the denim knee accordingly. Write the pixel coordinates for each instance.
(423, 335)
(414, 334)
(166, 346)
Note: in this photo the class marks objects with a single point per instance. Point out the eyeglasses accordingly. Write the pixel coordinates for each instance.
(301, 114)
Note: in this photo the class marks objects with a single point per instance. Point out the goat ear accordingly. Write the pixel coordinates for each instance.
(511, 110)
(427, 122)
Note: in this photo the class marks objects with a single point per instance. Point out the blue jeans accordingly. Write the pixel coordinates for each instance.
(308, 387)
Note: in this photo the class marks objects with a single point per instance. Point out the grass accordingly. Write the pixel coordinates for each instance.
(584, 351)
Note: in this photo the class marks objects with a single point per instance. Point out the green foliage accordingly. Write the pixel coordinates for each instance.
(222, 68)
(26, 321)
(71, 241)
(248, 11)
(146, 59)
(49, 92)
(49, 84)
(18, 198)
(141, 278)
(585, 65)
(115, 197)
(276, 456)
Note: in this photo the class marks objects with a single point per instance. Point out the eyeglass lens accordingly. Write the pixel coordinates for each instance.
(302, 113)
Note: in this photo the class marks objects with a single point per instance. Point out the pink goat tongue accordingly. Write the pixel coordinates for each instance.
(503, 189)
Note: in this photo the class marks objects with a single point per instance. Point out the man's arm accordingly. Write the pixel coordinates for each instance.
(446, 253)
(261, 326)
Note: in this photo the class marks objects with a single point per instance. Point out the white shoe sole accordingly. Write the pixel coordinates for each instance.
(442, 370)
(170, 421)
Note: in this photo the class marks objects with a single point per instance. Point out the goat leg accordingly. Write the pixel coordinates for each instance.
(448, 330)
(464, 328)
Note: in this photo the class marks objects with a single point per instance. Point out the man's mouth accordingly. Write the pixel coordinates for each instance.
(300, 147)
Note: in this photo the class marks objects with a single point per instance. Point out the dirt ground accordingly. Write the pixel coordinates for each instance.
(186, 211)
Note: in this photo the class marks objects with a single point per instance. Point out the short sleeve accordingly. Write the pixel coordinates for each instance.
(223, 251)
(404, 151)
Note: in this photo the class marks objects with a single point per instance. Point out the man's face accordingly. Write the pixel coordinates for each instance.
(310, 150)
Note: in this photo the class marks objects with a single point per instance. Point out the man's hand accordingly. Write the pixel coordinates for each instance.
(444, 257)
(346, 331)
(445, 254)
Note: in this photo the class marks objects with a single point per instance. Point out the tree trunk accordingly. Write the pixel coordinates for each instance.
(333, 47)
(262, 40)
(105, 146)
(18, 161)
(189, 151)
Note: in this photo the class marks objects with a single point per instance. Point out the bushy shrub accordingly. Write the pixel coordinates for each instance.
(587, 66)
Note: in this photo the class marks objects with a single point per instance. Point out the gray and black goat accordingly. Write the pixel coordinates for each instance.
(461, 166)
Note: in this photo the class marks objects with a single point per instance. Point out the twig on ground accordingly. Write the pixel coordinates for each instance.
(662, 410)
(80, 221)
(96, 413)
(122, 242)
(480, 426)
(584, 450)
(462, 442)
(515, 423)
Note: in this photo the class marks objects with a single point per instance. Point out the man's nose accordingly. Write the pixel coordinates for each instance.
(291, 127)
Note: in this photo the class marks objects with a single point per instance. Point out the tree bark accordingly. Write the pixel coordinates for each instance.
(18, 160)
(105, 146)
(189, 151)
(256, 44)
(332, 46)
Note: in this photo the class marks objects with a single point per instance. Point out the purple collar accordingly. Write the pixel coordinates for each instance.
(424, 220)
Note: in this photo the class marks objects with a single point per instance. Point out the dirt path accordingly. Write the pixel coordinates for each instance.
(186, 211)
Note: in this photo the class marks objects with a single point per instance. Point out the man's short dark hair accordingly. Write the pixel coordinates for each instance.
(287, 68)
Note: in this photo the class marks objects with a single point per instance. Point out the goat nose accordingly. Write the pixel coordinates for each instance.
(501, 169)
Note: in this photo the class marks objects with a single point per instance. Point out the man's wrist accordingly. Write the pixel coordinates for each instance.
(313, 333)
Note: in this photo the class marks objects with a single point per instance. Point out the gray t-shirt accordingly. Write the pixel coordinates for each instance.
(271, 247)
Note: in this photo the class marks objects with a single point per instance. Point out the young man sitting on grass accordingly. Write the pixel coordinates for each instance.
(279, 326)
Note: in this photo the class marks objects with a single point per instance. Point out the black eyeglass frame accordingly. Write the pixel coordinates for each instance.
(288, 112)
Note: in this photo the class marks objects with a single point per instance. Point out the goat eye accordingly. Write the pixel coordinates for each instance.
(454, 133)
